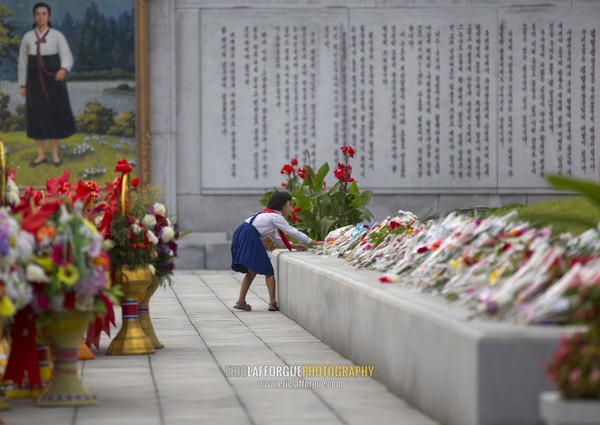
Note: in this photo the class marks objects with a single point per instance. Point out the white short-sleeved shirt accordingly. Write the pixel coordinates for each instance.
(268, 223)
(55, 43)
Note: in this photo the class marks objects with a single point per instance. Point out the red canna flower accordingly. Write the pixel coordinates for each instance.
(293, 215)
(287, 169)
(302, 172)
(293, 162)
(348, 151)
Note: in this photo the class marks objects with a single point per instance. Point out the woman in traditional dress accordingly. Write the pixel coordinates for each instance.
(44, 61)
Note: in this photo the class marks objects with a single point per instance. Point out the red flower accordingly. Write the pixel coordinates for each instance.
(123, 166)
(87, 190)
(11, 174)
(135, 182)
(348, 151)
(302, 172)
(287, 169)
(394, 224)
(422, 249)
(293, 215)
(384, 279)
(293, 162)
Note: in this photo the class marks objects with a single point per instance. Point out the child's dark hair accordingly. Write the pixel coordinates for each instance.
(278, 199)
(37, 6)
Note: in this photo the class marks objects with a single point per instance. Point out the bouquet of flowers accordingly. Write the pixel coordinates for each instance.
(16, 248)
(68, 269)
(162, 264)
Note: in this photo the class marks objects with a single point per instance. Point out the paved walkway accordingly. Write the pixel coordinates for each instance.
(187, 382)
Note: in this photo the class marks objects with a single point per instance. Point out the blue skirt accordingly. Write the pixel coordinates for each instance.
(248, 252)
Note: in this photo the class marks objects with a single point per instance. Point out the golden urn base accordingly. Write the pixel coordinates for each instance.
(144, 315)
(131, 339)
(65, 387)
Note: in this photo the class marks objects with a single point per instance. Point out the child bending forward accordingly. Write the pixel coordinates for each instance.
(250, 256)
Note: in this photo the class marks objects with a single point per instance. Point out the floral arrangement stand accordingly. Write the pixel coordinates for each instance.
(457, 370)
(65, 388)
(144, 313)
(131, 339)
(556, 410)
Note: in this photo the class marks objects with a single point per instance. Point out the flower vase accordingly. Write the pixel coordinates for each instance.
(144, 312)
(65, 387)
(131, 339)
(556, 410)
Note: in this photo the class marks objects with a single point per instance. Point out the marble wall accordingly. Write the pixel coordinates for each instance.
(448, 103)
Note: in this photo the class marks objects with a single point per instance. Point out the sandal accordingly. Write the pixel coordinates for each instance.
(57, 163)
(35, 163)
(242, 305)
(273, 306)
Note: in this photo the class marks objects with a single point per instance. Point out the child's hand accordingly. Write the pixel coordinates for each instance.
(317, 243)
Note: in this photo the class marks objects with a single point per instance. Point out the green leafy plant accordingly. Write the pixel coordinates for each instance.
(318, 210)
(575, 365)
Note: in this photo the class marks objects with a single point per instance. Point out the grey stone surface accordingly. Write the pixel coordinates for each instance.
(187, 383)
(273, 3)
(218, 256)
(420, 3)
(192, 249)
(555, 410)
(508, 3)
(188, 96)
(460, 371)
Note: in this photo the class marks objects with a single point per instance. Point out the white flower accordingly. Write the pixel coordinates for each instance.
(108, 244)
(152, 237)
(35, 273)
(167, 234)
(149, 220)
(12, 192)
(168, 222)
(152, 269)
(98, 220)
(25, 244)
(135, 228)
(159, 209)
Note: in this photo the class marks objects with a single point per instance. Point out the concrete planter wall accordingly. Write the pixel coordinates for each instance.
(459, 371)
(556, 410)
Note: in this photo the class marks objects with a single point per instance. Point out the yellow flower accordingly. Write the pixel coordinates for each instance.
(409, 230)
(47, 264)
(68, 275)
(453, 263)
(7, 308)
(493, 276)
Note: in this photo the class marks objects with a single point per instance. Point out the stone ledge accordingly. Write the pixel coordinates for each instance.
(459, 371)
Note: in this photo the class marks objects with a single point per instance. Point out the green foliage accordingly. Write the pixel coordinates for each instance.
(9, 43)
(16, 121)
(319, 210)
(129, 248)
(96, 119)
(124, 125)
(4, 112)
(142, 198)
(98, 75)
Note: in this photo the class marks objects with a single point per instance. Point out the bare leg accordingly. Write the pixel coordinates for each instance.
(41, 150)
(270, 280)
(54, 150)
(246, 282)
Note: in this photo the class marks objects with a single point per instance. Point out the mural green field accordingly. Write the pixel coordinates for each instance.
(88, 156)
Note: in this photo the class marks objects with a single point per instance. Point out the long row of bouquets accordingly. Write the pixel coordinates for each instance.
(498, 266)
(60, 247)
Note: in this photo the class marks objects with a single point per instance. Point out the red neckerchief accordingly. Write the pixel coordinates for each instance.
(40, 62)
(284, 238)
